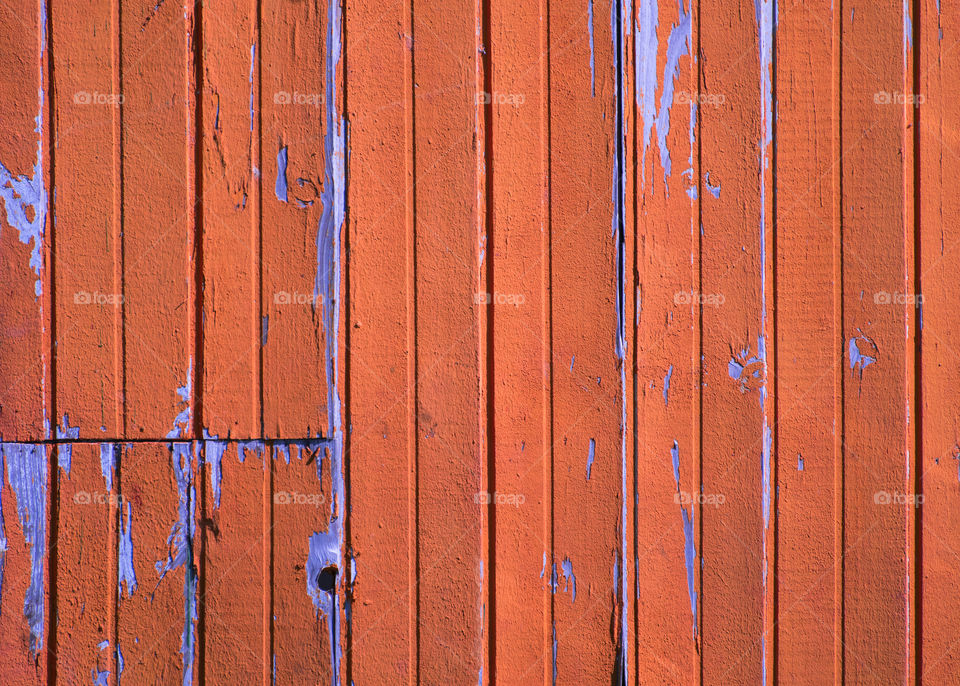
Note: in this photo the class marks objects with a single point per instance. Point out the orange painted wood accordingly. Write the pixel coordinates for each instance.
(809, 375)
(159, 203)
(517, 263)
(382, 345)
(293, 104)
(737, 341)
(88, 508)
(450, 227)
(231, 319)
(877, 256)
(89, 280)
(588, 353)
(157, 624)
(25, 270)
(939, 478)
(667, 356)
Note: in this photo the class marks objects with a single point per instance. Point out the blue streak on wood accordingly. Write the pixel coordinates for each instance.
(65, 450)
(280, 188)
(666, 386)
(125, 571)
(108, 463)
(590, 455)
(27, 476)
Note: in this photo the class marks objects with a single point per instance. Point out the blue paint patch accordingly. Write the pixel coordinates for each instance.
(666, 386)
(645, 60)
(213, 451)
(255, 447)
(181, 424)
(554, 654)
(569, 579)
(100, 678)
(689, 546)
(27, 476)
(799, 463)
(125, 571)
(264, 328)
(593, 73)
(253, 57)
(590, 455)
(714, 190)
(863, 352)
(281, 186)
(108, 462)
(180, 551)
(65, 450)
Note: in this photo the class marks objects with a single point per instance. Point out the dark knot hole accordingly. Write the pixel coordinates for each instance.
(327, 578)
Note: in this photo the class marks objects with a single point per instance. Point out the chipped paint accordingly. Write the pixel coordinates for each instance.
(590, 455)
(108, 462)
(181, 424)
(125, 571)
(593, 70)
(280, 188)
(863, 352)
(65, 450)
(666, 386)
(27, 476)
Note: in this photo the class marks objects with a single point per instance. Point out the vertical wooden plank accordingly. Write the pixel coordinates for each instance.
(294, 98)
(306, 606)
(877, 449)
(938, 238)
(809, 569)
(382, 347)
(25, 287)
(231, 221)
(25, 608)
(587, 177)
(89, 290)
(737, 399)
(158, 218)
(157, 624)
(667, 355)
(232, 588)
(86, 562)
(450, 403)
(517, 262)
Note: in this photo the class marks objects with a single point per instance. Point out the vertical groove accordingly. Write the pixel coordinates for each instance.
(198, 233)
(772, 623)
(491, 465)
(50, 376)
(115, 522)
(915, 565)
(411, 92)
(699, 359)
(841, 450)
(549, 159)
(120, 276)
(546, 316)
(347, 355)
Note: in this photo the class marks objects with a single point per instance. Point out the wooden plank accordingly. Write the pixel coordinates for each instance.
(293, 97)
(738, 341)
(518, 278)
(876, 225)
(159, 196)
(89, 288)
(450, 401)
(231, 221)
(382, 446)
(25, 270)
(809, 523)
(25, 604)
(307, 609)
(157, 624)
(589, 346)
(86, 564)
(668, 344)
(938, 607)
(234, 588)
